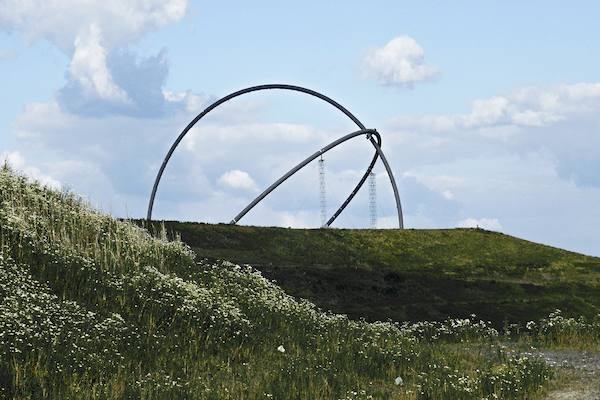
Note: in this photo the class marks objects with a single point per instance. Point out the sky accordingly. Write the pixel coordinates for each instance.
(489, 112)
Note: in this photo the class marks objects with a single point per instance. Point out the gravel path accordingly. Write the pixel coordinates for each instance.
(582, 366)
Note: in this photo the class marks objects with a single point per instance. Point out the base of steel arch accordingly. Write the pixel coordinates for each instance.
(371, 134)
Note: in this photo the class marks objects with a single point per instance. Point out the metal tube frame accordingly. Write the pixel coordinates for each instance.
(368, 132)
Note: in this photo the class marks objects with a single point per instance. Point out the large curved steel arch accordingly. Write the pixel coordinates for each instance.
(370, 133)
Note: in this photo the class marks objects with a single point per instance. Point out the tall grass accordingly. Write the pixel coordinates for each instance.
(91, 307)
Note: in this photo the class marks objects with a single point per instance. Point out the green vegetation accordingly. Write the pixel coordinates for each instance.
(410, 274)
(95, 308)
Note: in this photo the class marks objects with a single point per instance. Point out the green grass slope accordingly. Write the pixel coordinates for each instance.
(95, 308)
(410, 274)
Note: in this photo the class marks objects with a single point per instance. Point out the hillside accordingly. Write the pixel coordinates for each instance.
(410, 274)
(96, 308)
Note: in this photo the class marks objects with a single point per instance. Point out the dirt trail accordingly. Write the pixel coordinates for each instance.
(582, 369)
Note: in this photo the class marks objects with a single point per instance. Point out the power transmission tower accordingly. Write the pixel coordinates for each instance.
(373, 200)
(322, 192)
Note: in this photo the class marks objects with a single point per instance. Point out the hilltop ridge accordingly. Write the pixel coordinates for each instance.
(411, 274)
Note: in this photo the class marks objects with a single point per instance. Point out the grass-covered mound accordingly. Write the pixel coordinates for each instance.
(410, 274)
(95, 308)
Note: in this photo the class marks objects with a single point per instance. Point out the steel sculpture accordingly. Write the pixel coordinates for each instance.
(371, 134)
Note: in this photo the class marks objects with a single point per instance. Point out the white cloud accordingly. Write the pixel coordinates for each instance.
(442, 184)
(227, 136)
(102, 78)
(120, 83)
(192, 103)
(526, 107)
(401, 62)
(63, 21)
(487, 112)
(561, 120)
(18, 162)
(88, 68)
(491, 224)
(448, 194)
(236, 179)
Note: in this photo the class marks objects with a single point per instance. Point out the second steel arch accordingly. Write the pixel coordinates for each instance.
(298, 167)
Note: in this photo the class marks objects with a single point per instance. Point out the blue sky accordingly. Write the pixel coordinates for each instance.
(489, 111)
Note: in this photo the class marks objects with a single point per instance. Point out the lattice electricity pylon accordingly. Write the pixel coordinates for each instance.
(322, 192)
(373, 200)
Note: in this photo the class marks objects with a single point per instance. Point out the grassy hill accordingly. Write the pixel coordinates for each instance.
(410, 274)
(96, 308)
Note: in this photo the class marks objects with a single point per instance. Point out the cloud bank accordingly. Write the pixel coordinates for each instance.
(526, 158)
(103, 76)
